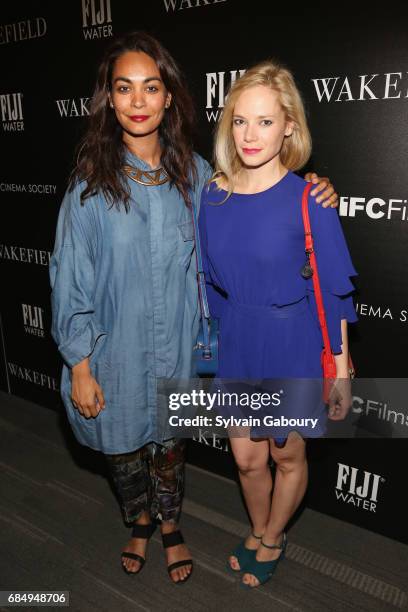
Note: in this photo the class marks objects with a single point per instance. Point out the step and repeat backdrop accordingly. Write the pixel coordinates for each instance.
(353, 74)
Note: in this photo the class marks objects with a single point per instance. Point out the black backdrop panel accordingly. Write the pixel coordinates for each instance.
(351, 69)
(374, 502)
(4, 384)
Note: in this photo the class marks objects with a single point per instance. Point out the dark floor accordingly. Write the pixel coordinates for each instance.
(60, 529)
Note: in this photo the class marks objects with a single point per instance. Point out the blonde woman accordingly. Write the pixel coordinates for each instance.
(253, 244)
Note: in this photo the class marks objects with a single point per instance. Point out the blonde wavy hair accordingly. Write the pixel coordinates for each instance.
(296, 149)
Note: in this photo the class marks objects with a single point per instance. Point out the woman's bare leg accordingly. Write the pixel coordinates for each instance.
(290, 485)
(252, 459)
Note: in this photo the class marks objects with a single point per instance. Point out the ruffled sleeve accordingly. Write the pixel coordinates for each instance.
(72, 275)
(335, 270)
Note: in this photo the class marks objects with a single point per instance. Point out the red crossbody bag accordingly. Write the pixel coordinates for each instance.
(327, 358)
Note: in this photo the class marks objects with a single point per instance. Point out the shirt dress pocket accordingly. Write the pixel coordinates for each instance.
(186, 242)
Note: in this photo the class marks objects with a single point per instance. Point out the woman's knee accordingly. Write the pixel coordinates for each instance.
(289, 465)
(291, 457)
(251, 465)
(250, 456)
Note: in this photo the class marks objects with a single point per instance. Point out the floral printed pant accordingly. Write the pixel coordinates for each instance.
(150, 479)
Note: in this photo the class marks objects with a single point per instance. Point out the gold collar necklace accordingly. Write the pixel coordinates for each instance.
(148, 178)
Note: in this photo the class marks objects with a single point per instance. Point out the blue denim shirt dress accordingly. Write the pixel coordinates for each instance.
(124, 294)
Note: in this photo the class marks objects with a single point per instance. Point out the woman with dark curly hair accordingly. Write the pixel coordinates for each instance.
(124, 291)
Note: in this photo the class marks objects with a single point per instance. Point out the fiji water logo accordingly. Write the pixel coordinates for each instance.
(358, 487)
(33, 320)
(96, 19)
(217, 85)
(11, 109)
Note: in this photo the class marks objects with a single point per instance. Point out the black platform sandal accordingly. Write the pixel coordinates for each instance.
(174, 539)
(144, 532)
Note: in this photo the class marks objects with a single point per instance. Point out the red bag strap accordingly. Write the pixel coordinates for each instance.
(309, 248)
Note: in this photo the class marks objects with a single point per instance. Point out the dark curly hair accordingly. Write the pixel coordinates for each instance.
(101, 152)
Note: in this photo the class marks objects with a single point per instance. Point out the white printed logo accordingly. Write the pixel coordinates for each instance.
(217, 86)
(33, 376)
(72, 107)
(374, 208)
(11, 108)
(381, 312)
(24, 255)
(212, 439)
(380, 411)
(357, 487)
(30, 188)
(179, 5)
(23, 30)
(362, 87)
(33, 320)
(96, 19)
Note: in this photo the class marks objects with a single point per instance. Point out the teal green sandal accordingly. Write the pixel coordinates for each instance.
(264, 570)
(243, 555)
